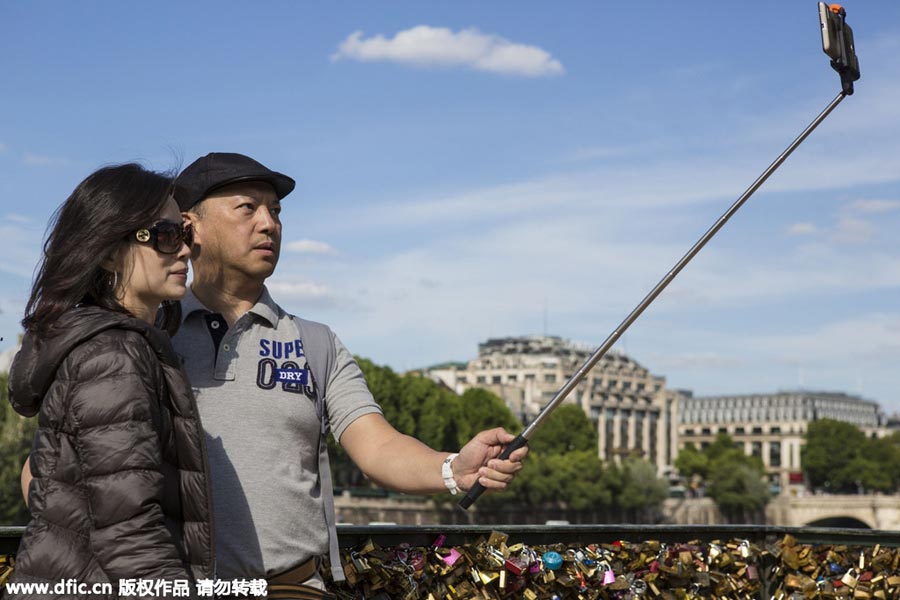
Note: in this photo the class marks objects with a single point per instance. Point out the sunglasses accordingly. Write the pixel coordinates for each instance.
(166, 236)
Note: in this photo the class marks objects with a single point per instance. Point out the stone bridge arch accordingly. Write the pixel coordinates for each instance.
(850, 511)
(843, 522)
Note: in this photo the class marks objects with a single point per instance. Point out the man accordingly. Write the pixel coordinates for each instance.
(259, 379)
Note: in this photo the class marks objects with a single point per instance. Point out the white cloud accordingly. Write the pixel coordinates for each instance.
(866, 338)
(709, 360)
(875, 206)
(302, 291)
(802, 229)
(16, 218)
(3, 147)
(311, 247)
(38, 160)
(850, 230)
(426, 46)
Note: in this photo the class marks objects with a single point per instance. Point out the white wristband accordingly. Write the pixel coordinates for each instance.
(447, 474)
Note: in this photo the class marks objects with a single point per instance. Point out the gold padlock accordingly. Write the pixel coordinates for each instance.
(360, 563)
(850, 578)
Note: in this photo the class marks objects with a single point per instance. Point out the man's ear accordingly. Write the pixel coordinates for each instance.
(192, 216)
(192, 219)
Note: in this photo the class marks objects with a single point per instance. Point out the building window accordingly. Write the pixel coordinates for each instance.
(738, 431)
(756, 449)
(481, 379)
(639, 429)
(495, 379)
(706, 431)
(462, 379)
(550, 377)
(626, 385)
(609, 429)
(512, 378)
(722, 430)
(775, 429)
(529, 376)
(757, 430)
(688, 432)
(774, 454)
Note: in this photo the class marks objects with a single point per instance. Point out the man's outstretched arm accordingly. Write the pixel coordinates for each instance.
(402, 463)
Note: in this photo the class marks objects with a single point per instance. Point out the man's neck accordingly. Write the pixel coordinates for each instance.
(231, 301)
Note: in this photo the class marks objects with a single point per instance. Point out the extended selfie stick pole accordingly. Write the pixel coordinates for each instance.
(522, 438)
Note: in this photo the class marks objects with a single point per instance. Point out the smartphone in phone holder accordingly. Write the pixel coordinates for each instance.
(837, 42)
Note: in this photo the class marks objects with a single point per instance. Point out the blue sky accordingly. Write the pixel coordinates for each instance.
(473, 169)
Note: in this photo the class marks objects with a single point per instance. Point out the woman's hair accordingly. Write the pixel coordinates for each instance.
(90, 226)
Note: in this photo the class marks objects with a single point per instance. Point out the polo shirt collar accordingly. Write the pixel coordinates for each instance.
(265, 307)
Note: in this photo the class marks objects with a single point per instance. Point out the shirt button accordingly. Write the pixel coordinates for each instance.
(214, 324)
(226, 347)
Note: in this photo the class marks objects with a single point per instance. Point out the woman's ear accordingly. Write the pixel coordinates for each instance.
(108, 264)
(114, 261)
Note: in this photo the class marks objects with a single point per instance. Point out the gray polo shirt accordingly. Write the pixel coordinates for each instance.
(257, 402)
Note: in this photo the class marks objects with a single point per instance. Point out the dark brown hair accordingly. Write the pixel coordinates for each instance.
(94, 222)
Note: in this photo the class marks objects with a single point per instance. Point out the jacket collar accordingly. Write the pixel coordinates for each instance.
(35, 366)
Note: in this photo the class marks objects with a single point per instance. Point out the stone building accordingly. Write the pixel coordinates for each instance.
(632, 409)
(772, 426)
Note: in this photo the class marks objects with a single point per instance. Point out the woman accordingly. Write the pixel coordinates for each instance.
(120, 488)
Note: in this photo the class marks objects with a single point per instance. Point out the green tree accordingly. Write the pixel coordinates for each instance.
(575, 480)
(735, 481)
(417, 406)
(641, 488)
(481, 409)
(16, 435)
(691, 461)
(567, 429)
(724, 448)
(738, 487)
(886, 452)
(833, 454)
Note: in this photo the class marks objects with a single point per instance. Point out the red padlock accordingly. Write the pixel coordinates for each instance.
(515, 565)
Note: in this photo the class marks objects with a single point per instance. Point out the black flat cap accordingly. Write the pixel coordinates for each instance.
(218, 169)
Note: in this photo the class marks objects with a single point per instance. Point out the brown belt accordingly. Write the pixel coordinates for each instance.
(298, 574)
(289, 584)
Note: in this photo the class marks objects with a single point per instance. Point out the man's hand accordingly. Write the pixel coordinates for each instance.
(478, 462)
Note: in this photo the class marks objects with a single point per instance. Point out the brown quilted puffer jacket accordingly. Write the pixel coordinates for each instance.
(121, 488)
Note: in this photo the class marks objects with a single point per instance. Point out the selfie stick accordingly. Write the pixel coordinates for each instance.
(574, 380)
